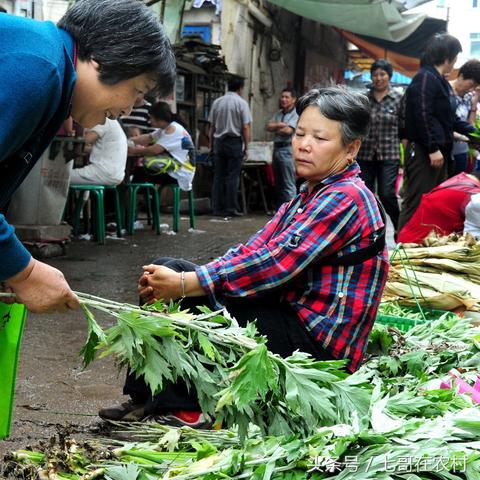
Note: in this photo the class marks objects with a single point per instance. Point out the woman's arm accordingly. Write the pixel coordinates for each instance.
(320, 230)
(149, 151)
(145, 139)
(162, 282)
(472, 118)
(90, 138)
(423, 103)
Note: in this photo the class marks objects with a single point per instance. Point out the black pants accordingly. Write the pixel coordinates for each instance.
(420, 178)
(384, 173)
(228, 159)
(276, 320)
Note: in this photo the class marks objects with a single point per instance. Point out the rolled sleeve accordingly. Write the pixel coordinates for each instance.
(15, 256)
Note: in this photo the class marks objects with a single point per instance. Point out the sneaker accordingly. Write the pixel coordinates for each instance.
(126, 412)
(183, 418)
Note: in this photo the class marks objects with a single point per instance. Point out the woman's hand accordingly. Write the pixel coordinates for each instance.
(475, 99)
(158, 282)
(42, 289)
(436, 159)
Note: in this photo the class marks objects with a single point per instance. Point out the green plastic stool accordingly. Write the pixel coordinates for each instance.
(149, 188)
(176, 205)
(99, 213)
(12, 320)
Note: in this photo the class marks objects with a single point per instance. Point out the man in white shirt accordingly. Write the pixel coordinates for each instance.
(107, 145)
(229, 135)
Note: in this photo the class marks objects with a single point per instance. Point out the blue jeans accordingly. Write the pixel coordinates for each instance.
(228, 159)
(284, 172)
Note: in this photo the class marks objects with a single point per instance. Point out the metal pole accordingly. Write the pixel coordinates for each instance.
(162, 10)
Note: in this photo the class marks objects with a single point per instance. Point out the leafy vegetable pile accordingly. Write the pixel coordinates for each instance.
(388, 421)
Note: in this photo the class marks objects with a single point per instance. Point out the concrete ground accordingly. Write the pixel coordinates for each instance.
(52, 388)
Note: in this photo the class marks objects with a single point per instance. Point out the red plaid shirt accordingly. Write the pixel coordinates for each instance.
(337, 304)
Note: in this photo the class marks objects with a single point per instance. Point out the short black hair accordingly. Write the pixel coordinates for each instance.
(292, 91)
(124, 38)
(440, 47)
(3, 10)
(470, 70)
(235, 84)
(382, 64)
(161, 111)
(351, 109)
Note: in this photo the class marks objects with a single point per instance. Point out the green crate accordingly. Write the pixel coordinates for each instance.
(12, 320)
(404, 324)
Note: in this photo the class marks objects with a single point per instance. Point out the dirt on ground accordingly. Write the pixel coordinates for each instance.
(52, 387)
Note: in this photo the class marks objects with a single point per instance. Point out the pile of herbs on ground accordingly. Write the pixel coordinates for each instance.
(392, 420)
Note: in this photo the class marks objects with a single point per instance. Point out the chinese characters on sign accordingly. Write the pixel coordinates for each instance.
(403, 464)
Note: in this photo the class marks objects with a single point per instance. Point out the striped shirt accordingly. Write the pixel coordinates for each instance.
(139, 118)
(337, 304)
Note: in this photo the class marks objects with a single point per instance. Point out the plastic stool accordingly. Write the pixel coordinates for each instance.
(99, 214)
(176, 205)
(118, 208)
(133, 188)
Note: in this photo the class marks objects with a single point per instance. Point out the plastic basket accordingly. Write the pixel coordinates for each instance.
(404, 324)
(12, 319)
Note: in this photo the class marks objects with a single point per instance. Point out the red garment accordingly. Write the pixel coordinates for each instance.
(441, 210)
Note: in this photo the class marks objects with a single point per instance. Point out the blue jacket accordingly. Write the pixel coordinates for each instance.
(37, 75)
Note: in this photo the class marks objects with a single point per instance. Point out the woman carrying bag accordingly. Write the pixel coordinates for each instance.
(168, 152)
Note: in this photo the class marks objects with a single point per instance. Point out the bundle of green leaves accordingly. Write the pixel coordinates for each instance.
(237, 379)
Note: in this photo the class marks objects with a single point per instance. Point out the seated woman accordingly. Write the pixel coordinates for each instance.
(167, 151)
(312, 277)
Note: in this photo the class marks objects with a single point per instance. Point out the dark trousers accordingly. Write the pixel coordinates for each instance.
(420, 178)
(384, 175)
(460, 163)
(275, 319)
(228, 159)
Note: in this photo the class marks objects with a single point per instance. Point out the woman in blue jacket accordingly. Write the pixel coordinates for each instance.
(101, 56)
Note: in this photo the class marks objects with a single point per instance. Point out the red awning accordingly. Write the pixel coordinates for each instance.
(401, 63)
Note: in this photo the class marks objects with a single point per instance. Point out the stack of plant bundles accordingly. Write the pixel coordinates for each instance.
(441, 274)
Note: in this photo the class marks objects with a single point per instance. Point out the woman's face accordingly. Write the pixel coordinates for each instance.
(380, 79)
(463, 86)
(93, 100)
(318, 150)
